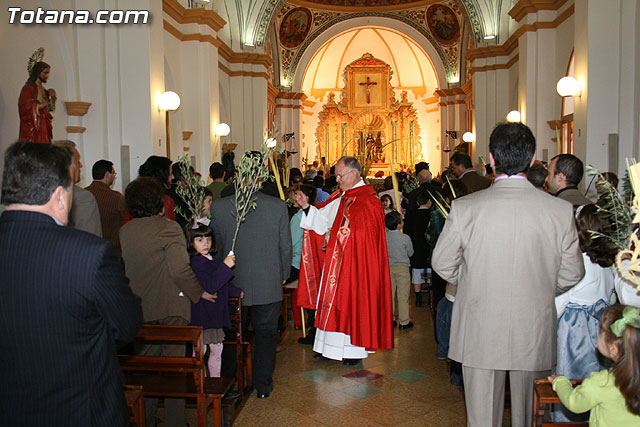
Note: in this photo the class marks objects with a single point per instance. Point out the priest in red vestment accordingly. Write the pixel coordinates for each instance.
(35, 106)
(344, 270)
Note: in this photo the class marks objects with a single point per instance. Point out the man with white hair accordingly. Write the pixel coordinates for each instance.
(344, 270)
(84, 214)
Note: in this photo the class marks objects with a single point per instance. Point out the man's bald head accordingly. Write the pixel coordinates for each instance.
(424, 176)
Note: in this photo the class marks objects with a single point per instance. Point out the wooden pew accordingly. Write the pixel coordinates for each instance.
(135, 405)
(159, 375)
(243, 359)
(544, 395)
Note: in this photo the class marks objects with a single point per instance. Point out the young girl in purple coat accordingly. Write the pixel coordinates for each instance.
(215, 277)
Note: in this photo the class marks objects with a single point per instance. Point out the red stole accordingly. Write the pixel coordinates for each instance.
(355, 296)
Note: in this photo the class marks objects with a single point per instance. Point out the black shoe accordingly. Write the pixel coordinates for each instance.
(351, 362)
(320, 358)
(263, 395)
(418, 299)
(407, 326)
(231, 394)
(309, 339)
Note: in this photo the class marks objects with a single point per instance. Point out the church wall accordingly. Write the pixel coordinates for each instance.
(606, 41)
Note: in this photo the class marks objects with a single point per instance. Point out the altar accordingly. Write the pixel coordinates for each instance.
(368, 122)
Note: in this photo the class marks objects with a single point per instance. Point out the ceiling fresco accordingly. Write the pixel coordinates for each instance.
(440, 22)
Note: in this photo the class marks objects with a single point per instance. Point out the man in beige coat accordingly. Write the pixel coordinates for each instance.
(510, 249)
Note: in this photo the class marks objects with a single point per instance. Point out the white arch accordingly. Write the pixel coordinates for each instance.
(348, 24)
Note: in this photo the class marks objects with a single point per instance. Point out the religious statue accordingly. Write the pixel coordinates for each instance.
(36, 103)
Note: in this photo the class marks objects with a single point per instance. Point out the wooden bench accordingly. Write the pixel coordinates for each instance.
(543, 395)
(243, 359)
(135, 405)
(160, 376)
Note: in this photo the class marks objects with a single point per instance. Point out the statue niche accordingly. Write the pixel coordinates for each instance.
(368, 122)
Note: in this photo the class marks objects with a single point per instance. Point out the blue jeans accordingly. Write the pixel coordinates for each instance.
(443, 326)
(443, 330)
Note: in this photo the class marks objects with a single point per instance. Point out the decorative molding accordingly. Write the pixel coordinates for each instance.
(224, 51)
(431, 100)
(186, 135)
(308, 103)
(440, 93)
(291, 95)
(272, 91)
(75, 129)
(295, 107)
(193, 16)
(307, 113)
(506, 66)
(512, 42)
(386, 8)
(432, 110)
(524, 7)
(77, 108)
(266, 14)
(242, 73)
(467, 88)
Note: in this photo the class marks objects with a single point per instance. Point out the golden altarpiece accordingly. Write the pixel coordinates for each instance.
(368, 122)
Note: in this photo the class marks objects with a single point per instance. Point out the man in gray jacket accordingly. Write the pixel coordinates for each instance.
(263, 260)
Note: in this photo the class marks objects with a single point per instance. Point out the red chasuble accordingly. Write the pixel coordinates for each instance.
(35, 126)
(355, 294)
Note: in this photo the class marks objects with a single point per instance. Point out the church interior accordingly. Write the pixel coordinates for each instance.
(392, 83)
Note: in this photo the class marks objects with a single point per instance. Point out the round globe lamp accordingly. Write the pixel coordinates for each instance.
(222, 129)
(169, 101)
(568, 86)
(513, 116)
(468, 137)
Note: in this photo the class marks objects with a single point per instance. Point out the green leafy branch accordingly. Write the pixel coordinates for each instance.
(251, 172)
(191, 190)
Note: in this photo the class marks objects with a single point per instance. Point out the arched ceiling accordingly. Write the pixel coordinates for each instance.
(412, 68)
(358, 5)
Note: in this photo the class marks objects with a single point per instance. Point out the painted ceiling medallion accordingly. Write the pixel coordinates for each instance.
(443, 24)
(363, 3)
(294, 27)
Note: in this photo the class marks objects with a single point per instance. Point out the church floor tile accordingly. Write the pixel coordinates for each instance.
(362, 390)
(318, 376)
(409, 376)
(406, 386)
(363, 376)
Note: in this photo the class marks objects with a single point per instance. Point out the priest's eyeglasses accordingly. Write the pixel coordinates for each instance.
(342, 175)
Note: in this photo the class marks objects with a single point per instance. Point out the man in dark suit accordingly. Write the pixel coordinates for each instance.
(263, 253)
(464, 171)
(66, 304)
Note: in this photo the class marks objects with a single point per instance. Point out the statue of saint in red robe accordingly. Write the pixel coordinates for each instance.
(344, 270)
(35, 106)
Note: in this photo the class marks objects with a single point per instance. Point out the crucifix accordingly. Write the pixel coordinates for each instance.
(367, 85)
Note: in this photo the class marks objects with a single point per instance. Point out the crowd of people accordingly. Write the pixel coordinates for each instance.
(513, 257)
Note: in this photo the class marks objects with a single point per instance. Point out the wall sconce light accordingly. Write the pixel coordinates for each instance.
(568, 86)
(168, 101)
(222, 129)
(468, 137)
(513, 116)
